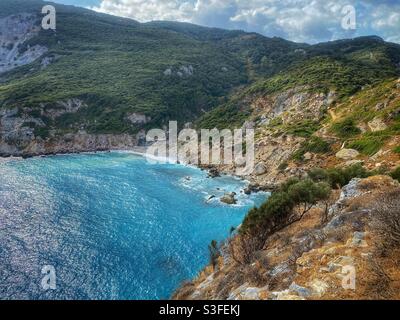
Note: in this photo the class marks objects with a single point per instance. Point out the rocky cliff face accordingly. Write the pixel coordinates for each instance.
(15, 30)
(294, 131)
(351, 254)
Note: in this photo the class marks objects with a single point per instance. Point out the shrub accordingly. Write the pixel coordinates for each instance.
(285, 206)
(345, 128)
(318, 175)
(302, 129)
(368, 145)
(214, 252)
(338, 177)
(314, 145)
(396, 149)
(275, 122)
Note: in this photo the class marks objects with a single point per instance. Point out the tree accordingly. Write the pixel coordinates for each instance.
(286, 206)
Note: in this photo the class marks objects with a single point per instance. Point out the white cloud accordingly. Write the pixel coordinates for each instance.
(297, 20)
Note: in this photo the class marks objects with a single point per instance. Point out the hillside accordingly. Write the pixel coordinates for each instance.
(100, 75)
(317, 257)
(326, 117)
(119, 69)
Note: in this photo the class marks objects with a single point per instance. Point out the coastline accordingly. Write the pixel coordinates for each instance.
(213, 171)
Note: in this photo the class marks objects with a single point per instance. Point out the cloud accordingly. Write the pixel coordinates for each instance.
(297, 20)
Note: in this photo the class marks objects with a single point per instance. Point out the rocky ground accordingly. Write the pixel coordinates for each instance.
(279, 120)
(313, 258)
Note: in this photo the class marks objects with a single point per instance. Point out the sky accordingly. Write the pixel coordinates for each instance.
(309, 21)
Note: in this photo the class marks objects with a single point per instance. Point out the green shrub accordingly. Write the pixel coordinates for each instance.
(338, 177)
(214, 252)
(318, 175)
(42, 132)
(368, 145)
(345, 128)
(396, 149)
(275, 122)
(314, 145)
(278, 210)
(302, 129)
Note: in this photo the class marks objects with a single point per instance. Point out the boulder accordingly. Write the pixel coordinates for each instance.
(299, 290)
(318, 287)
(210, 198)
(380, 106)
(260, 169)
(213, 173)
(308, 156)
(377, 125)
(347, 154)
(252, 188)
(358, 240)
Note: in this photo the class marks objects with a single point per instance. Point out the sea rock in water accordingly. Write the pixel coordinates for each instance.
(213, 173)
(347, 154)
(210, 198)
(252, 188)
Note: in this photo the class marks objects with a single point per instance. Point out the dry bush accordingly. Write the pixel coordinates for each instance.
(379, 284)
(243, 248)
(356, 204)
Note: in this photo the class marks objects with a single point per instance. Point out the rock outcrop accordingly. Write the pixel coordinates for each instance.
(229, 198)
(15, 31)
(347, 154)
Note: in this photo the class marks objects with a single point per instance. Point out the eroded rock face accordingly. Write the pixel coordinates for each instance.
(293, 105)
(71, 143)
(14, 32)
(20, 132)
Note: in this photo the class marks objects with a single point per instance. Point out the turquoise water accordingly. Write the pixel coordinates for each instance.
(112, 225)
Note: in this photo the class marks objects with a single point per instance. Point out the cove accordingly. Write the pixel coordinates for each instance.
(112, 225)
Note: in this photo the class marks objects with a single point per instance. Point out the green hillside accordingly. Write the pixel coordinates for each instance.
(175, 71)
(344, 67)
